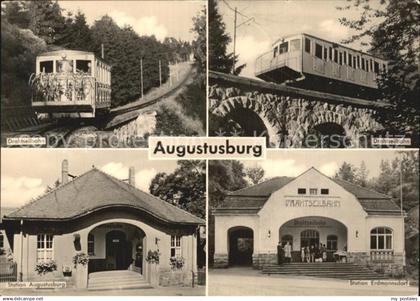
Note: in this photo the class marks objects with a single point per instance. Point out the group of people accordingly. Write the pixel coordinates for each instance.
(314, 253)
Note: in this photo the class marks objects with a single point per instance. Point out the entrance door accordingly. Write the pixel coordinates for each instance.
(309, 238)
(241, 246)
(118, 251)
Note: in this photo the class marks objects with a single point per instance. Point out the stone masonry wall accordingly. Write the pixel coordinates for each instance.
(293, 117)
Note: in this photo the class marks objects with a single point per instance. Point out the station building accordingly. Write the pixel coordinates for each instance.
(364, 226)
(111, 221)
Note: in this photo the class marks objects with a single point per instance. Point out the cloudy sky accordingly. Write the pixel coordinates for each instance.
(159, 18)
(277, 18)
(26, 174)
(292, 163)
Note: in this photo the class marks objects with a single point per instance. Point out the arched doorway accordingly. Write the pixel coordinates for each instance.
(116, 246)
(327, 135)
(241, 246)
(314, 231)
(118, 251)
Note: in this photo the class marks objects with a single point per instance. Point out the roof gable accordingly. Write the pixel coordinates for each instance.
(94, 190)
(255, 197)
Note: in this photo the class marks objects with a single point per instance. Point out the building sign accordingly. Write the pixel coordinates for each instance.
(313, 203)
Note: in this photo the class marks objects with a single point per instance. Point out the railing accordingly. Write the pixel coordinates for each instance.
(382, 255)
(8, 271)
(266, 62)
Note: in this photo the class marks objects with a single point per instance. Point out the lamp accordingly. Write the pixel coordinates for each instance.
(269, 234)
(357, 233)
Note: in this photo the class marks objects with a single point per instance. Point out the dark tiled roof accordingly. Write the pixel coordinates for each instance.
(359, 191)
(94, 190)
(5, 211)
(253, 198)
(265, 188)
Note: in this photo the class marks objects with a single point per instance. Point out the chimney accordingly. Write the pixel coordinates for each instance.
(132, 176)
(64, 172)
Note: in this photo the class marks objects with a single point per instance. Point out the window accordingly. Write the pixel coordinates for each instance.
(44, 251)
(325, 53)
(332, 242)
(381, 239)
(307, 45)
(46, 67)
(275, 51)
(313, 191)
(318, 51)
(301, 190)
(350, 60)
(363, 64)
(370, 65)
(295, 45)
(64, 66)
(91, 244)
(340, 58)
(384, 67)
(354, 62)
(1, 240)
(325, 191)
(175, 246)
(331, 53)
(376, 67)
(358, 61)
(84, 66)
(336, 55)
(345, 58)
(284, 47)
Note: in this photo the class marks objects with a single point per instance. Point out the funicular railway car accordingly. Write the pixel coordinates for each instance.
(71, 83)
(309, 62)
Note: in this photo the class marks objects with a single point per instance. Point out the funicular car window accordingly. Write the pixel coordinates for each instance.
(84, 66)
(64, 66)
(318, 51)
(294, 45)
(284, 47)
(46, 66)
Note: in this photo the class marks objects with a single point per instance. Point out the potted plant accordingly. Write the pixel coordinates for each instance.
(45, 267)
(152, 259)
(80, 261)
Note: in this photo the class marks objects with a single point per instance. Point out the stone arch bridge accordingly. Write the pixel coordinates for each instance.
(290, 114)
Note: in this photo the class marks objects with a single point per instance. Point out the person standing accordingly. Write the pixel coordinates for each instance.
(302, 254)
(324, 253)
(280, 253)
(308, 254)
(288, 252)
(312, 253)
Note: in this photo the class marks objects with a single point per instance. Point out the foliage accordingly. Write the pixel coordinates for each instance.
(219, 39)
(393, 28)
(224, 176)
(176, 262)
(124, 50)
(255, 174)
(76, 34)
(199, 45)
(153, 256)
(19, 47)
(178, 50)
(184, 188)
(45, 267)
(80, 258)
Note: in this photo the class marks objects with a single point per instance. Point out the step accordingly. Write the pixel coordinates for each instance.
(114, 280)
(120, 286)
